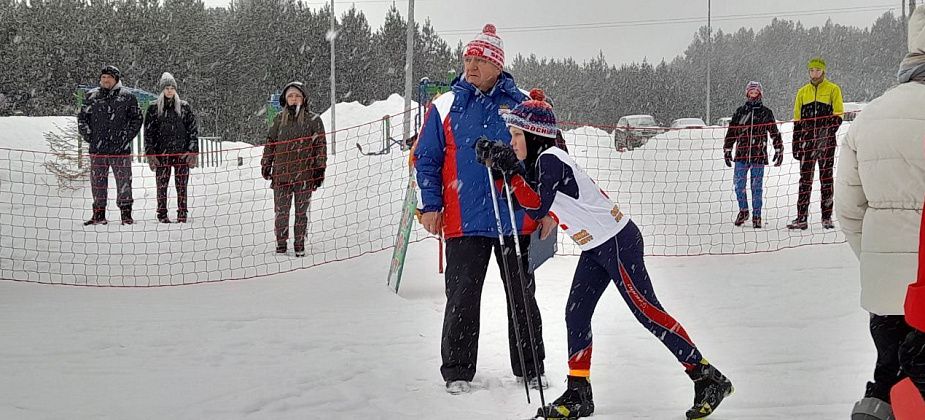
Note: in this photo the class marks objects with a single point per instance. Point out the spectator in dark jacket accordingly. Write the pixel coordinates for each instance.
(748, 133)
(108, 120)
(294, 160)
(171, 142)
(817, 112)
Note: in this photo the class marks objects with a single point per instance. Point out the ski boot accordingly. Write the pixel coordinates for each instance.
(741, 218)
(710, 387)
(577, 401)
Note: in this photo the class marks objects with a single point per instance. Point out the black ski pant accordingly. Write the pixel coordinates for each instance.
(900, 354)
(824, 157)
(286, 197)
(162, 178)
(467, 261)
(99, 180)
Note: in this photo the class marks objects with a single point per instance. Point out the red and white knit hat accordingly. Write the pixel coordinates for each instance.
(487, 46)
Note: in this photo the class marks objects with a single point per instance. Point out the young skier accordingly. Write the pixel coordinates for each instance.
(612, 250)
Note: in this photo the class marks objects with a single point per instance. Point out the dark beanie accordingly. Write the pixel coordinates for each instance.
(112, 71)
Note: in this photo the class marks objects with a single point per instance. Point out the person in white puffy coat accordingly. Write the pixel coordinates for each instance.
(879, 192)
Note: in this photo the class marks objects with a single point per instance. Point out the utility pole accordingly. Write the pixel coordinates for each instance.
(333, 35)
(709, 57)
(409, 73)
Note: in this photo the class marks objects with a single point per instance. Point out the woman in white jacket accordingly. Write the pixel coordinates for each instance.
(878, 197)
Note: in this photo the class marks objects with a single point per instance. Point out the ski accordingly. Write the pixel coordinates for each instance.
(404, 233)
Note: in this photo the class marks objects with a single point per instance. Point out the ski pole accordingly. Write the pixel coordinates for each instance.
(523, 290)
(507, 275)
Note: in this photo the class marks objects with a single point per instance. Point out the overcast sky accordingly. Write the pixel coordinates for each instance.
(624, 30)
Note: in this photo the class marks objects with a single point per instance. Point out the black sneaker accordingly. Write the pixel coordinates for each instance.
(163, 218)
(710, 388)
(798, 223)
(181, 217)
(299, 250)
(98, 218)
(577, 401)
(281, 248)
(828, 224)
(741, 218)
(756, 222)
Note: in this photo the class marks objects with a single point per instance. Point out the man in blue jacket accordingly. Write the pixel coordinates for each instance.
(456, 201)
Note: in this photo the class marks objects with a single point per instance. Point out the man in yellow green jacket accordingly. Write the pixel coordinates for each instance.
(817, 114)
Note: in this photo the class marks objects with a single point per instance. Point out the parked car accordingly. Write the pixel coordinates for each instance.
(723, 122)
(633, 131)
(688, 123)
(852, 109)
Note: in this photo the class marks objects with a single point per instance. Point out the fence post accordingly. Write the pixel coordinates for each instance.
(210, 152)
(386, 134)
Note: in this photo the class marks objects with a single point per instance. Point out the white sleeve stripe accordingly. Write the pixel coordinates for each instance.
(443, 104)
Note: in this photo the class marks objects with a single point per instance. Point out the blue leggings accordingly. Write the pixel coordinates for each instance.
(757, 181)
(619, 260)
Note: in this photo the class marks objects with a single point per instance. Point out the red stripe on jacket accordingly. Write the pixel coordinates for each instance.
(452, 214)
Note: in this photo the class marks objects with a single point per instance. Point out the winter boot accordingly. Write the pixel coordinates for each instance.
(534, 382)
(827, 224)
(127, 216)
(577, 401)
(798, 223)
(181, 216)
(741, 218)
(458, 387)
(871, 408)
(710, 387)
(98, 218)
(756, 222)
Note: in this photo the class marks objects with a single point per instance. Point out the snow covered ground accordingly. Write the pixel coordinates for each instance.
(333, 342)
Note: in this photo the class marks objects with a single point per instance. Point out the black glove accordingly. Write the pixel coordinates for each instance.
(778, 157)
(497, 155)
(266, 171)
(727, 156)
(483, 149)
(503, 158)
